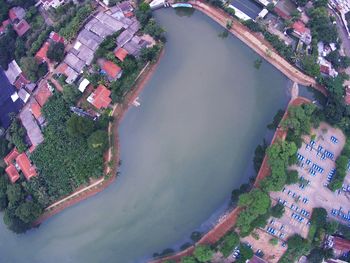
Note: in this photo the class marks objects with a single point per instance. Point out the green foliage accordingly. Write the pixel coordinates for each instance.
(309, 64)
(273, 241)
(28, 212)
(17, 133)
(70, 93)
(70, 30)
(7, 47)
(153, 29)
(277, 210)
(188, 259)
(203, 253)
(297, 246)
(255, 203)
(64, 161)
(237, 192)
(259, 155)
(246, 253)
(230, 241)
(321, 26)
(318, 255)
(276, 120)
(341, 168)
(79, 126)
(196, 236)
(56, 51)
(4, 9)
(149, 54)
(98, 140)
(30, 67)
(292, 177)
(14, 194)
(143, 13)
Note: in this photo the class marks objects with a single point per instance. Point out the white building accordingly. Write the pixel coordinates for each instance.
(52, 3)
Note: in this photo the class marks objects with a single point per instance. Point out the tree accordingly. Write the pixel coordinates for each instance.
(4, 9)
(98, 140)
(153, 29)
(28, 212)
(273, 241)
(14, 194)
(277, 210)
(229, 242)
(203, 253)
(56, 51)
(310, 66)
(149, 54)
(188, 259)
(292, 177)
(79, 126)
(30, 67)
(246, 253)
(70, 93)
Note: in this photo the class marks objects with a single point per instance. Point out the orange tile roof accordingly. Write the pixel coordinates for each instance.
(299, 27)
(11, 156)
(41, 55)
(43, 93)
(26, 167)
(21, 81)
(101, 97)
(121, 53)
(111, 69)
(35, 109)
(12, 173)
(56, 37)
(32, 148)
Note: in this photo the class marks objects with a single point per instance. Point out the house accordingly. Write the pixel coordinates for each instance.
(16, 14)
(113, 71)
(121, 54)
(4, 25)
(21, 81)
(13, 71)
(69, 72)
(126, 8)
(52, 3)
(83, 84)
(339, 245)
(284, 9)
(26, 167)
(56, 37)
(11, 156)
(326, 67)
(33, 130)
(35, 109)
(41, 55)
(21, 27)
(12, 173)
(43, 93)
(23, 95)
(302, 32)
(100, 98)
(9, 101)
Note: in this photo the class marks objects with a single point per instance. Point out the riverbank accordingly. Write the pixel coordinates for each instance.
(227, 223)
(113, 155)
(257, 42)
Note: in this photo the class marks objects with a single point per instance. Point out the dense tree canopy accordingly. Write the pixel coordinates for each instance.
(56, 51)
(203, 253)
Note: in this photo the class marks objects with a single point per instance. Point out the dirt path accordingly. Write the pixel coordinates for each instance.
(258, 44)
(229, 221)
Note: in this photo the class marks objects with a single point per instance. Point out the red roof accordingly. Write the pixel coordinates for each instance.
(324, 69)
(21, 81)
(26, 167)
(11, 156)
(129, 14)
(35, 109)
(12, 14)
(282, 13)
(21, 28)
(56, 37)
(111, 69)
(12, 173)
(32, 148)
(299, 27)
(101, 97)
(4, 25)
(43, 93)
(41, 55)
(341, 244)
(121, 53)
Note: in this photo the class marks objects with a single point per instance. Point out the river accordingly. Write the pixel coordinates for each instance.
(183, 150)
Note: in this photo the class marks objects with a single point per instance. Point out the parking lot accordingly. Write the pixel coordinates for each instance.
(316, 167)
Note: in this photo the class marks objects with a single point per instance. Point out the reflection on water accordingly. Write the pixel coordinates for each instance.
(184, 11)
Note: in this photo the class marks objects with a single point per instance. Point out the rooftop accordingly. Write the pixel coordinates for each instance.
(43, 93)
(21, 28)
(31, 126)
(41, 55)
(35, 108)
(12, 173)
(27, 169)
(100, 98)
(111, 69)
(121, 53)
(56, 37)
(21, 81)
(17, 12)
(11, 156)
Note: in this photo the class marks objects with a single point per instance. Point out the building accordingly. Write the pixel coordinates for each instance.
(35, 109)
(11, 156)
(121, 54)
(52, 3)
(326, 67)
(69, 72)
(284, 8)
(21, 81)
(13, 71)
(9, 101)
(246, 9)
(43, 93)
(16, 14)
(56, 37)
(41, 55)
(21, 27)
(83, 84)
(33, 130)
(12, 173)
(113, 71)
(302, 32)
(26, 167)
(100, 98)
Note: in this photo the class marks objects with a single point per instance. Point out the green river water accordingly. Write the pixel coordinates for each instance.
(183, 150)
